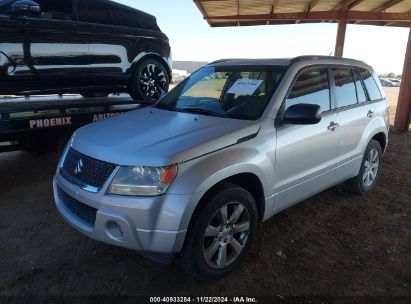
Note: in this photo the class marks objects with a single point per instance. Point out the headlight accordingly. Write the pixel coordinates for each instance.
(63, 154)
(143, 181)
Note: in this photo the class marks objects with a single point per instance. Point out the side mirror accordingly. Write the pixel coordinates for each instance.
(302, 114)
(25, 8)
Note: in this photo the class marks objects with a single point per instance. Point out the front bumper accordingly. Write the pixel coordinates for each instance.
(149, 225)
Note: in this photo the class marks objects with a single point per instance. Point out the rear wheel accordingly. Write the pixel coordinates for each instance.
(222, 234)
(149, 82)
(366, 179)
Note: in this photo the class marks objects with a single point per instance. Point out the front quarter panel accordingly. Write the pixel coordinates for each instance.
(196, 177)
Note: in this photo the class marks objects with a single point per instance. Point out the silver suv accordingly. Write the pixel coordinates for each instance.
(233, 144)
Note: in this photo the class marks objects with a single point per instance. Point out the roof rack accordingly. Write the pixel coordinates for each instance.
(313, 57)
(228, 59)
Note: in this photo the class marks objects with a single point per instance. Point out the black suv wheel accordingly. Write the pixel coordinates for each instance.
(150, 80)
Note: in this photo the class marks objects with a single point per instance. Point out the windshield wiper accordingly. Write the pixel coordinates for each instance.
(202, 111)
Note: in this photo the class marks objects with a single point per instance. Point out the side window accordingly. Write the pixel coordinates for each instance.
(57, 10)
(123, 17)
(95, 11)
(92, 11)
(119, 17)
(361, 96)
(5, 6)
(370, 84)
(345, 92)
(312, 87)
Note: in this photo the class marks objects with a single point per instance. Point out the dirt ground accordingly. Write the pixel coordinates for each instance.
(334, 244)
(392, 95)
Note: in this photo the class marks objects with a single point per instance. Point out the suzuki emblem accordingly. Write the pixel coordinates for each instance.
(78, 167)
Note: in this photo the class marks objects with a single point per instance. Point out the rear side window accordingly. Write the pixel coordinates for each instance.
(370, 84)
(130, 18)
(114, 14)
(345, 91)
(362, 97)
(93, 12)
(312, 87)
(58, 10)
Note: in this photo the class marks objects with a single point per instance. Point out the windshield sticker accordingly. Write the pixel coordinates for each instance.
(245, 86)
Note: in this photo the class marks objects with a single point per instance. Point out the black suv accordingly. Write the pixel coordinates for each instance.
(92, 47)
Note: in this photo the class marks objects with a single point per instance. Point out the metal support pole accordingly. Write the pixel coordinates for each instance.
(339, 44)
(402, 116)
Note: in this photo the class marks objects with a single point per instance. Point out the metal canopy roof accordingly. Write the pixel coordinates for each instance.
(265, 12)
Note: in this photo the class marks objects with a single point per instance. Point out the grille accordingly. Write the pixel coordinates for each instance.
(93, 172)
(83, 212)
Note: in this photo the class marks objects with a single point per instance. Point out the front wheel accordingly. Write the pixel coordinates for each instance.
(150, 80)
(221, 234)
(370, 170)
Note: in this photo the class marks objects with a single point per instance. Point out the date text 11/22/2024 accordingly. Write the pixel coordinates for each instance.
(235, 299)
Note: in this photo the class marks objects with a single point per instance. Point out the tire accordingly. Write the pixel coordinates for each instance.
(93, 95)
(150, 80)
(203, 256)
(369, 173)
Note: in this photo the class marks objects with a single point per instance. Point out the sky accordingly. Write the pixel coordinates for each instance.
(192, 39)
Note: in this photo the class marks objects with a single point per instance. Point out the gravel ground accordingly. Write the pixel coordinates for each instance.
(334, 244)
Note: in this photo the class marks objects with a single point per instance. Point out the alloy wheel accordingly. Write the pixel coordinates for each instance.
(226, 235)
(153, 81)
(371, 166)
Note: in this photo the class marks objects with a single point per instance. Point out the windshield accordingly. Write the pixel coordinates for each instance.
(238, 92)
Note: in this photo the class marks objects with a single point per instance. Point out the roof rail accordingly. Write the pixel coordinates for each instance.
(313, 57)
(228, 59)
(220, 60)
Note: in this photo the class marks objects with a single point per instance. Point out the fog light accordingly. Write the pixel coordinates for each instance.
(114, 230)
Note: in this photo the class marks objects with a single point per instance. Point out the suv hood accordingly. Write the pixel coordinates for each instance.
(155, 137)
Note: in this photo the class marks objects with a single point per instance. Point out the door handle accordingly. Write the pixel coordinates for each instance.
(370, 114)
(333, 126)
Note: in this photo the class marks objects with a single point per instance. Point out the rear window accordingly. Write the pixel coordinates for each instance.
(370, 84)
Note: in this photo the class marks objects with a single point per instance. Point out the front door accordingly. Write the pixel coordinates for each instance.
(306, 154)
(56, 55)
(11, 48)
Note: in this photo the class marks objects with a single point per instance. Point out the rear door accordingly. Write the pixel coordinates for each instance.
(117, 37)
(111, 43)
(305, 155)
(354, 113)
